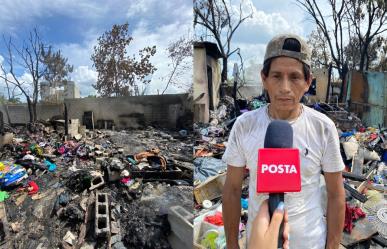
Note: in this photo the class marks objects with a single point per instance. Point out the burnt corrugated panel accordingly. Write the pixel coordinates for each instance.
(368, 97)
(376, 98)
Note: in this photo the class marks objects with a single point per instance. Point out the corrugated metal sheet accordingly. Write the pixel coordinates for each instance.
(368, 97)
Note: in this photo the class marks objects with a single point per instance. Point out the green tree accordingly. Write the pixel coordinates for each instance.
(118, 73)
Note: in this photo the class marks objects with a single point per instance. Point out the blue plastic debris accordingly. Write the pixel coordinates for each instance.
(384, 157)
(51, 166)
(12, 175)
(347, 134)
(244, 203)
(378, 179)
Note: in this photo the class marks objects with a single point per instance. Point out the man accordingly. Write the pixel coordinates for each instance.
(286, 77)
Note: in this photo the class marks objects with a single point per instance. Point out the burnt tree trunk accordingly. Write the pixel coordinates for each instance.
(224, 70)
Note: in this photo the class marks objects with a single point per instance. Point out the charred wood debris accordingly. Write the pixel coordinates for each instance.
(94, 189)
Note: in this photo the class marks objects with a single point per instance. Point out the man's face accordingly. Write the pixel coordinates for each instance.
(285, 83)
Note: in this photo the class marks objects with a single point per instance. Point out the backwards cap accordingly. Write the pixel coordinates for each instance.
(275, 49)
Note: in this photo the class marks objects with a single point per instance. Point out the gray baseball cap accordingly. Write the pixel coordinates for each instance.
(275, 49)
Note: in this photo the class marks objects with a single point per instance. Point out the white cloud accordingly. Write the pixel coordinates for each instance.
(14, 12)
(79, 54)
(26, 78)
(263, 25)
(288, 10)
(85, 77)
(273, 23)
(172, 11)
(139, 7)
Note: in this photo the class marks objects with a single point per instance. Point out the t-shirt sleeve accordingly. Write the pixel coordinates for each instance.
(331, 160)
(234, 155)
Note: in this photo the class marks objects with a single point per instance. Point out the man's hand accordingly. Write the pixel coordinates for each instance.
(335, 209)
(231, 205)
(264, 233)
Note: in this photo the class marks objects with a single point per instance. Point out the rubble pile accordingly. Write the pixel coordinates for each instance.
(364, 153)
(99, 189)
(343, 119)
(210, 174)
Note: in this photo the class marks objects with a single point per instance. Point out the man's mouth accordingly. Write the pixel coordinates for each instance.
(284, 99)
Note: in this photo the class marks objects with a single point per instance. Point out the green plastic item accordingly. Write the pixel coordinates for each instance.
(36, 150)
(132, 161)
(209, 239)
(3, 196)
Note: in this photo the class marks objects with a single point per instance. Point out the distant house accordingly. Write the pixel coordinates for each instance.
(57, 94)
(206, 80)
(319, 90)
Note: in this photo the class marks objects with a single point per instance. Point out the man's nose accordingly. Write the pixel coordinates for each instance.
(285, 85)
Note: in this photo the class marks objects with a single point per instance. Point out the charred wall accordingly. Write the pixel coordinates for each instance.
(124, 112)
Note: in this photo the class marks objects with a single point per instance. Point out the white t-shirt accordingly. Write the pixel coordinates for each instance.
(315, 135)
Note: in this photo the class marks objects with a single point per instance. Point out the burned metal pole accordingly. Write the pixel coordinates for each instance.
(235, 88)
(329, 91)
(66, 120)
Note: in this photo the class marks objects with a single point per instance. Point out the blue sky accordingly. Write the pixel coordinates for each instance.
(73, 26)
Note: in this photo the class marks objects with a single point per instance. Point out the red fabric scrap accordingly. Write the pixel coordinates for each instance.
(125, 180)
(61, 150)
(352, 214)
(34, 186)
(215, 219)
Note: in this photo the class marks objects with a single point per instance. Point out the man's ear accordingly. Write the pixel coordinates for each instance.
(309, 81)
(263, 77)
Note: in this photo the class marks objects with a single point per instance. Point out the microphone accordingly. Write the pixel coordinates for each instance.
(278, 169)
